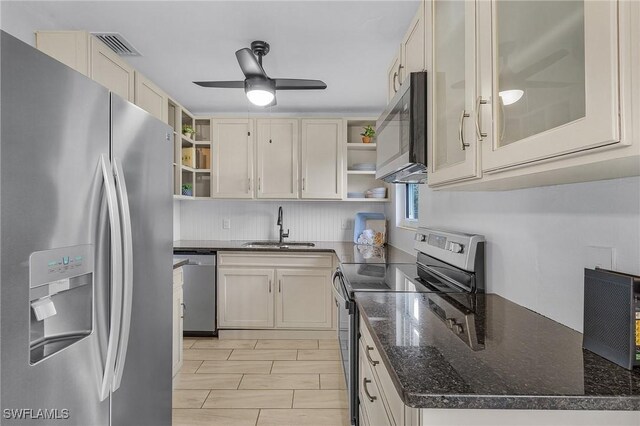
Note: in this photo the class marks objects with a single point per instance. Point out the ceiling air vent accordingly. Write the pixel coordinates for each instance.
(117, 43)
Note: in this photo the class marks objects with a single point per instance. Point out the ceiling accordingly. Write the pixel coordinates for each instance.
(348, 44)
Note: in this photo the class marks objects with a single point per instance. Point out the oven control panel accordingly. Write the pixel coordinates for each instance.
(456, 248)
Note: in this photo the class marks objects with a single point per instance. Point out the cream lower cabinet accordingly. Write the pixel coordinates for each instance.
(232, 150)
(304, 298)
(274, 291)
(381, 405)
(322, 158)
(178, 306)
(245, 298)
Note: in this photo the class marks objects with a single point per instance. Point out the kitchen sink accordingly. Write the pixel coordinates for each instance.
(276, 244)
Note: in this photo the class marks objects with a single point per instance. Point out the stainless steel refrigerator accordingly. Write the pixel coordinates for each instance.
(86, 251)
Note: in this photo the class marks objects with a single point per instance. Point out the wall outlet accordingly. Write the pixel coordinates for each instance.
(226, 223)
(600, 257)
(346, 224)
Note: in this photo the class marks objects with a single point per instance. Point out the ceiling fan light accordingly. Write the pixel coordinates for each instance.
(510, 96)
(260, 97)
(260, 92)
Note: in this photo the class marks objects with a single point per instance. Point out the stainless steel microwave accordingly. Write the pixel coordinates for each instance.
(401, 133)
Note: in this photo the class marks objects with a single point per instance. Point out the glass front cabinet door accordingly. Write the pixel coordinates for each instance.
(452, 37)
(554, 78)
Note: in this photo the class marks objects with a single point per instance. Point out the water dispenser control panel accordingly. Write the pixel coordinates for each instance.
(49, 266)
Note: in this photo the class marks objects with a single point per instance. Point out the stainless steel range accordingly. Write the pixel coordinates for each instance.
(449, 268)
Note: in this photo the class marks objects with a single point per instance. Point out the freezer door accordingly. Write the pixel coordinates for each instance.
(142, 150)
(54, 128)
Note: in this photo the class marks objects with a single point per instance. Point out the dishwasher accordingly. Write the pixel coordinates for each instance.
(199, 290)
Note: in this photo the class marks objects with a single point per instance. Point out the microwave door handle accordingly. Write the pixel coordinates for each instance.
(127, 284)
(116, 277)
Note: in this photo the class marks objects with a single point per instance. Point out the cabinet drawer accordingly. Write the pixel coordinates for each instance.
(370, 396)
(369, 351)
(275, 260)
(370, 354)
(178, 279)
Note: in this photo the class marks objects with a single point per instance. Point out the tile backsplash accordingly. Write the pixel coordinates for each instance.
(256, 220)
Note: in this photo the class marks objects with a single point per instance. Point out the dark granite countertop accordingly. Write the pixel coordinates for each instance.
(179, 262)
(347, 252)
(529, 361)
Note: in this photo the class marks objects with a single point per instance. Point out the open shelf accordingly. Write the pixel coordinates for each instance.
(361, 172)
(368, 200)
(362, 146)
(187, 141)
(203, 130)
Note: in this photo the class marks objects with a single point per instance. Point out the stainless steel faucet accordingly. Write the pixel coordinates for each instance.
(283, 234)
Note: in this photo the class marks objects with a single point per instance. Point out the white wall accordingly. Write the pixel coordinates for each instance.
(17, 20)
(256, 220)
(538, 237)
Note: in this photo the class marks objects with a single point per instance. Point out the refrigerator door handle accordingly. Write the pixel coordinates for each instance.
(116, 277)
(127, 284)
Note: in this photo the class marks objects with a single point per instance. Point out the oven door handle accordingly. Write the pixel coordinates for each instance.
(336, 292)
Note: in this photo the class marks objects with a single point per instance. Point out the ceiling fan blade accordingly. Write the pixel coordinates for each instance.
(299, 84)
(223, 84)
(249, 64)
(542, 64)
(544, 84)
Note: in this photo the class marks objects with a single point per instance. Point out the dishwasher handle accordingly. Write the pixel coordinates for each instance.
(197, 260)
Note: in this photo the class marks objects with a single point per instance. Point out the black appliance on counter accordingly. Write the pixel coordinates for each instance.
(612, 316)
(449, 270)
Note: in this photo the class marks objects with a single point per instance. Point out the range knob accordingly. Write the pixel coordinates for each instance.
(457, 328)
(456, 247)
(421, 238)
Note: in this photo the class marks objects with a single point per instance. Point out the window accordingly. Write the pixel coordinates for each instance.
(407, 205)
(411, 201)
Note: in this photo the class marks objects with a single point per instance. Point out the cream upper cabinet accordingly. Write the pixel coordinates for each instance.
(245, 298)
(454, 150)
(555, 81)
(393, 83)
(277, 157)
(150, 97)
(69, 47)
(304, 298)
(413, 46)
(322, 158)
(232, 158)
(411, 57)
(108, 69)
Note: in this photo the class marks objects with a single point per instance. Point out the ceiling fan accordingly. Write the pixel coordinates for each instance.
(259, 87)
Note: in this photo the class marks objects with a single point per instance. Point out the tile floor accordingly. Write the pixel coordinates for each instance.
(260, 383)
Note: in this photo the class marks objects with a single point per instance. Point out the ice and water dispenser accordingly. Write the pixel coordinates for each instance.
(61, 299)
